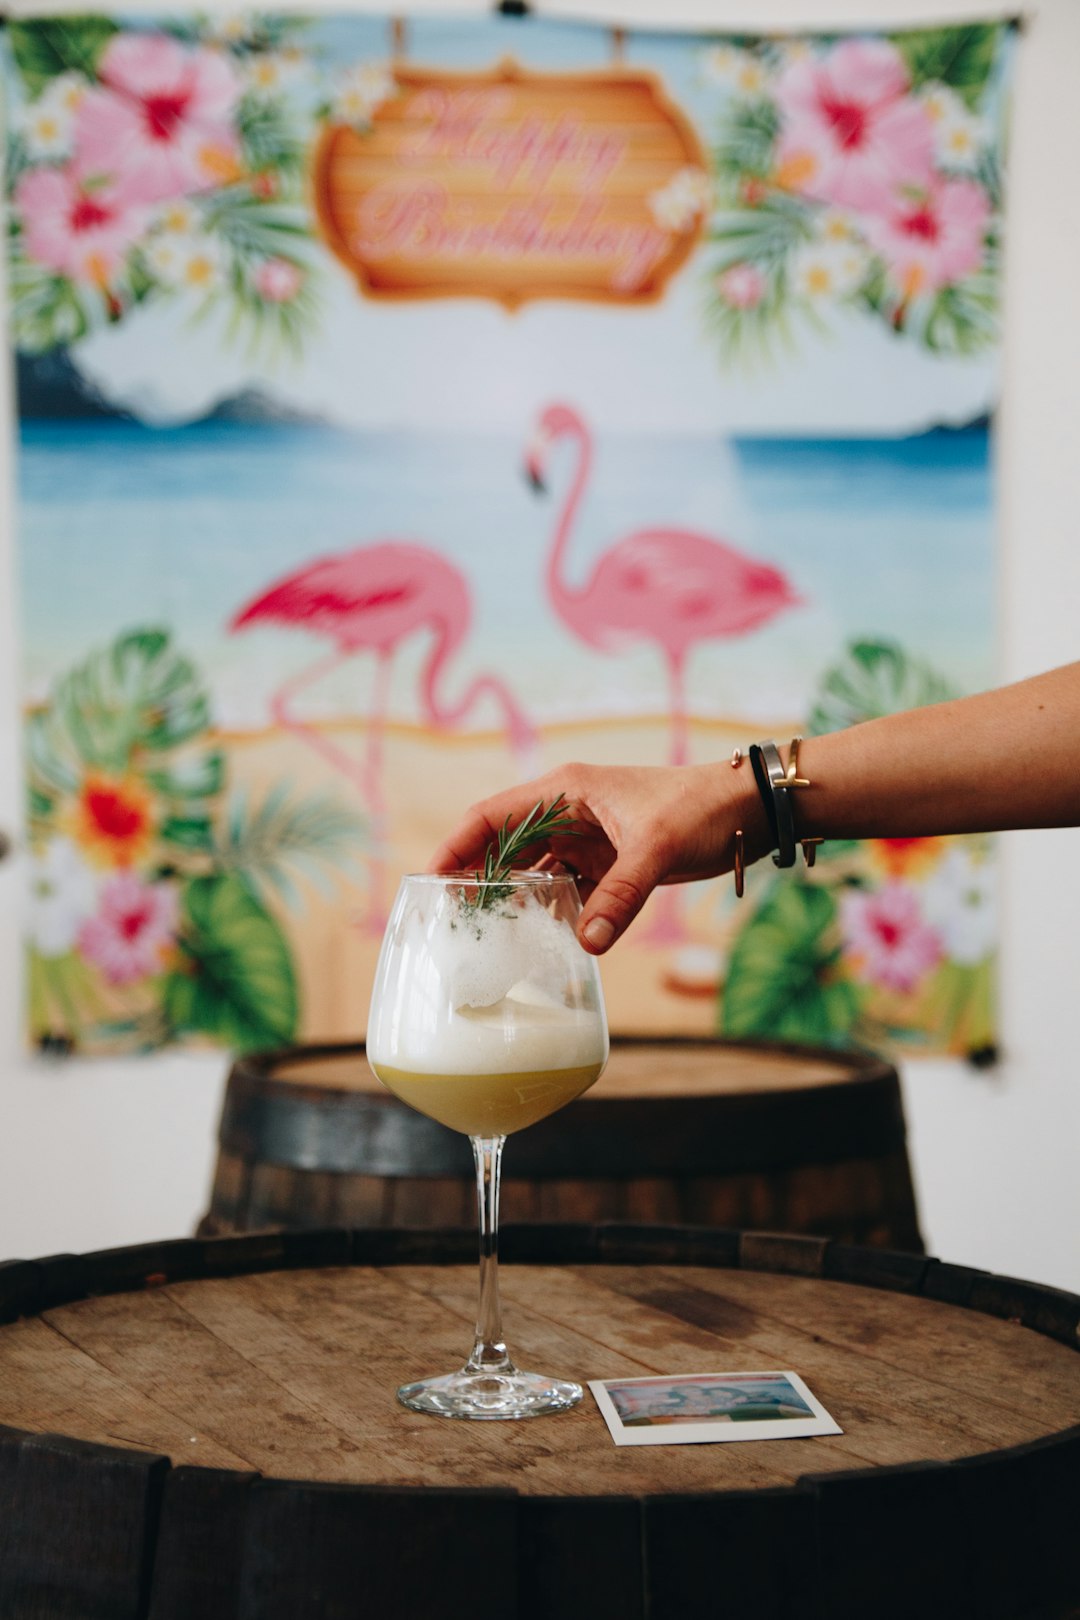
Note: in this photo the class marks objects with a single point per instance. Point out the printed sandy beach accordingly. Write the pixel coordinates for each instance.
(650, 986)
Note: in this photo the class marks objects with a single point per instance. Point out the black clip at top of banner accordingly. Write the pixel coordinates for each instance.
(1019, 21)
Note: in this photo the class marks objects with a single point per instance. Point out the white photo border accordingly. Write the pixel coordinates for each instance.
(711, 1430)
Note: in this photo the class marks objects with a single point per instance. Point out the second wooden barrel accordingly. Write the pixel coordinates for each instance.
(788, 1138)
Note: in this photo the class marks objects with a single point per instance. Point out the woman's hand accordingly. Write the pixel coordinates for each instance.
(637, 826)
(925, 771)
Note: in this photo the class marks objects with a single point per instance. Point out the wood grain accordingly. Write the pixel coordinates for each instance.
(48, 1384)
(293, 1373)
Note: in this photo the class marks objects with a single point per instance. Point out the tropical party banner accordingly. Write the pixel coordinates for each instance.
(407, 405)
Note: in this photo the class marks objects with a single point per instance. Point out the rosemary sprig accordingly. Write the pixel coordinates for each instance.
(510, 843)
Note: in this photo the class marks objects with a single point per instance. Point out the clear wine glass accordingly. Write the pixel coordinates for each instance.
(487, 1015)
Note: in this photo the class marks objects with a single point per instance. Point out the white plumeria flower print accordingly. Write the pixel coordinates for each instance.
(361, 92)
(46, 124)
(960, 901)
(230, 27)
(960, 143)
(835, 225)
(829, 270)
(262, 74)
(739, 71)
(165, 258)
(791, 51)
(45, 134)
(203, 266)
(752, 79)
(722, 64)
(178, 218)
(186, 260)
(686, 196)
(959, 135)
(273, 74)
(63, 893)
(941, 102)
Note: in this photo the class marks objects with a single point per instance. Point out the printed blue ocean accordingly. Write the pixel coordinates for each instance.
(183, 527)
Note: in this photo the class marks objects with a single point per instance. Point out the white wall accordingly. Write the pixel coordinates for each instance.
(93, 1154)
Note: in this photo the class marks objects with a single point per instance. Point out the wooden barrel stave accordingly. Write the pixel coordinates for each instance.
(411, 1554)
(860, 1201)
(434, 1202)
(579, 1559)
(743, 1530)
(818, 1146)
(987, 1535)
(198, 1567)
(77, 1527)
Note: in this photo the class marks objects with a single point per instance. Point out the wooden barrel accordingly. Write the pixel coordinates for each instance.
(726, 1133)
(207, 1430)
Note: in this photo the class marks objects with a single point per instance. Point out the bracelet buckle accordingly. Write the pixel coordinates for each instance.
(775, 785)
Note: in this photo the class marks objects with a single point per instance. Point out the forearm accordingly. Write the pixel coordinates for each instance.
(1006, 758)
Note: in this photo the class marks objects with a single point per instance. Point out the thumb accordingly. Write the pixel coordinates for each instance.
(616, 901)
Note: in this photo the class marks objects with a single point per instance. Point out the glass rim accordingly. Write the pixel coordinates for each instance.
(521, 877)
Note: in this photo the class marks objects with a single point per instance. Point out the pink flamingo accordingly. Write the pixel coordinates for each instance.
(368, 600)
(673, 587)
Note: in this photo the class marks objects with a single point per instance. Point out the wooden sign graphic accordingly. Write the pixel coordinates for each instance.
(512, 185)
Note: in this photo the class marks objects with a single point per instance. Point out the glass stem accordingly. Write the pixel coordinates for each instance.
(489, 1352)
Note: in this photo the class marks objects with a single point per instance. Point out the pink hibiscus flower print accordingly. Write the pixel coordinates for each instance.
(277, 281)
(932, 237)
(160, 118)
(850, 133)
(741, 286)
(81, 231)
(885, 933)
(130, 935)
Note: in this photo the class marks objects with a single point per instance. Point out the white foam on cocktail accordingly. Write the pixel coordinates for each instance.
(510, 1037)
(483, 954)
(495, 1000)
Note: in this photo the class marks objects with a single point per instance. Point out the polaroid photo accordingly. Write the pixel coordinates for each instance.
(691, 1408)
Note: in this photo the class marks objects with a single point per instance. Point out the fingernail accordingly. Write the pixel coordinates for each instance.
(599, 933)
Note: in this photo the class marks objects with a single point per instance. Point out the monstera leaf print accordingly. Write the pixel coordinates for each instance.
(784, 980)
(237, 984)
(46, 47)
(962, 58)
(156, 885)
(884, 941)
(873, 678)
(127, 729)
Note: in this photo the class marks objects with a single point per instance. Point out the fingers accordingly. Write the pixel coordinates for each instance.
(635, 827)
(467, 843)
(617, 899)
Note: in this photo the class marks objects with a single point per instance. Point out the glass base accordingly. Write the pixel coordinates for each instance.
(510, 1394)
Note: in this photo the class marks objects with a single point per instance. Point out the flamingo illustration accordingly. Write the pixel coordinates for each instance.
(368, 600)
(672, 587)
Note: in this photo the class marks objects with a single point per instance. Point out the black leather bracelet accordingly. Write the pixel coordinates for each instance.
(771, 782)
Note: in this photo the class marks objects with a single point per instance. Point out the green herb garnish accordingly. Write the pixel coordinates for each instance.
(510, 844)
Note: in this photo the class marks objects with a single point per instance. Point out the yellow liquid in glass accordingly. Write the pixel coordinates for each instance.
(488, 1104)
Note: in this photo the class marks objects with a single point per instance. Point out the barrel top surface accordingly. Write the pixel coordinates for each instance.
(636, 1068)
(293, 1373)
